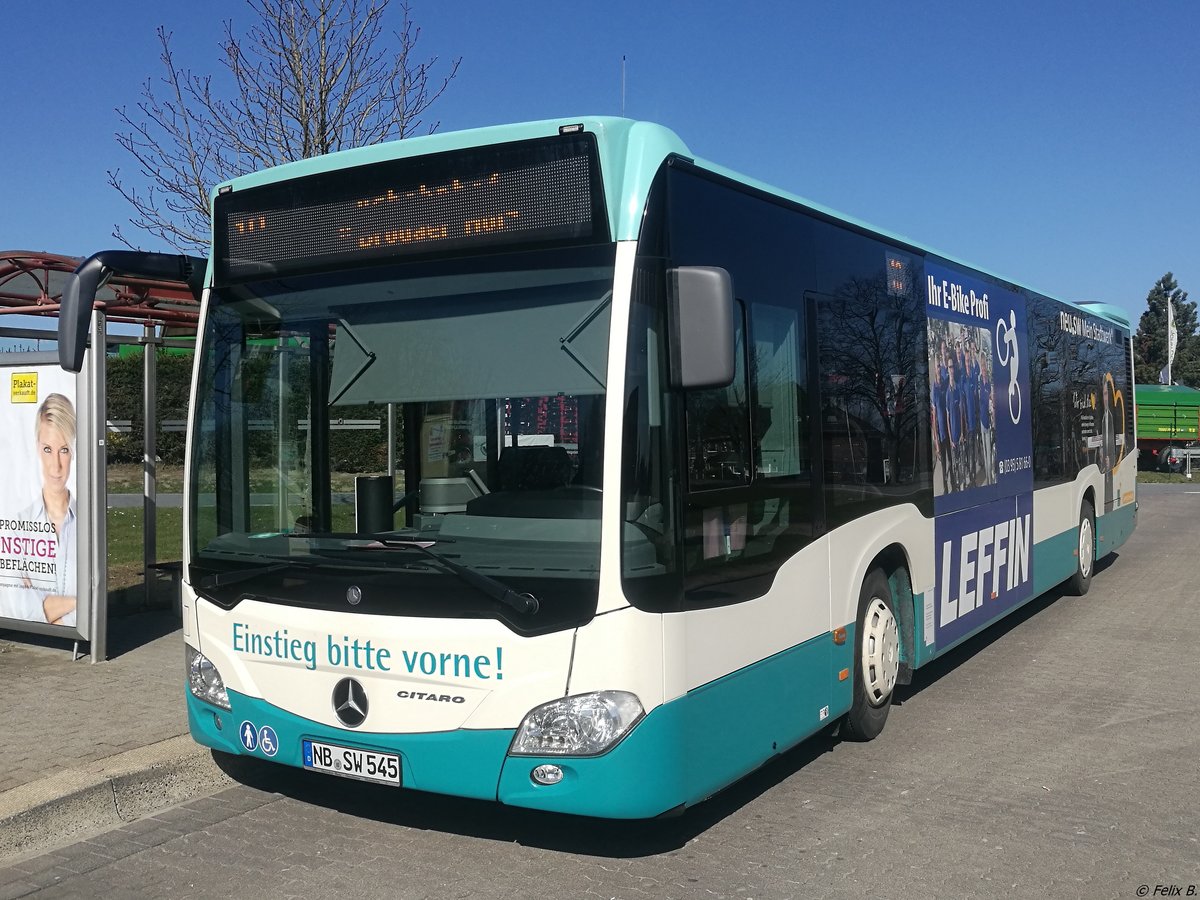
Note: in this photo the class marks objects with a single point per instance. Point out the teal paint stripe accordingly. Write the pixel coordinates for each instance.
(464, 763)
(682, 752)
(1114, 529)
(1055, 560)
(921, 653)
(441, 142)
(690, 748)
(842, 657)
(1053, 563)
(630, 154)
(643, 776)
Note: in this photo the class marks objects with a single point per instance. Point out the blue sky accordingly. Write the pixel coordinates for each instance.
(1057, 144)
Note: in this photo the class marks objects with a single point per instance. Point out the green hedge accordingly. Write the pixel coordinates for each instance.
(173, 378)
(350, 451)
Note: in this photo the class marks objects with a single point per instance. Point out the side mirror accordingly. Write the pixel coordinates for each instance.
(75, 313)
(702, 327)
(79, 294)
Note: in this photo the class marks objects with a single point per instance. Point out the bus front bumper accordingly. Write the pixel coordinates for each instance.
(472, 763)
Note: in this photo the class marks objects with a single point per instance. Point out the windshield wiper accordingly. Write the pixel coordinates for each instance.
(224, 579)
(246, 572)
(485, 584)
(368, 360)
(497, 590)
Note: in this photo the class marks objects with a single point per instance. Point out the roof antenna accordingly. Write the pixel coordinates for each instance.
(622, 85)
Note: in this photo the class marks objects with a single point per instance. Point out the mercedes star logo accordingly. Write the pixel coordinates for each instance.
(350, 702)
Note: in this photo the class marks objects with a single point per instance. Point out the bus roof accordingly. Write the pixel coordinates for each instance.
(631, 153)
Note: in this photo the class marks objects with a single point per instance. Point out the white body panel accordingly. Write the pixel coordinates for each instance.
(622, 650)
(498, 674)
(852, 548)
(611, 595)
(727, 638)
(1125, 480)
(1056, 509)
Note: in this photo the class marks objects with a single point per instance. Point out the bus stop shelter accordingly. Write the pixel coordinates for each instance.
(147, 313)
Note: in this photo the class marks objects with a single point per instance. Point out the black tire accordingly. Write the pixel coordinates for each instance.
(1085, 551)
(874, 682)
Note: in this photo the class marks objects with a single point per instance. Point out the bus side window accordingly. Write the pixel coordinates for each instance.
(718, 427)
(874, 370)
(780, 385)
(739, 531)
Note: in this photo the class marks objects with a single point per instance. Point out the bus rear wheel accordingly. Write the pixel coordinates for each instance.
(876, 659)
(1085, 551)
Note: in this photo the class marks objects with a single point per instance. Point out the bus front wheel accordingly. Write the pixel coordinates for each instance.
(876, 659)
(1085, 551)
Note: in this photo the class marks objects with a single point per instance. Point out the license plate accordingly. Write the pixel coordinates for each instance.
(350, 762)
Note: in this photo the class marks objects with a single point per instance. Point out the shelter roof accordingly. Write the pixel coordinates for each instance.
(31, 283)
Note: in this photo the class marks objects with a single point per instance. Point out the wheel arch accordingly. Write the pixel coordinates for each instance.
(898, 539)
(894, 561)
(1089, 494)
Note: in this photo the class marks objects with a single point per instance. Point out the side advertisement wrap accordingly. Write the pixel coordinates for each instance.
(980, 414)
(38, 510)
(984, 565)
(1084, 396)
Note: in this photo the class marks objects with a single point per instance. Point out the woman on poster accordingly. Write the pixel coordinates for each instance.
(1108, 442)
(54, 429)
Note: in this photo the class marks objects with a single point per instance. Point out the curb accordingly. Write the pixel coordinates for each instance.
(106, 793)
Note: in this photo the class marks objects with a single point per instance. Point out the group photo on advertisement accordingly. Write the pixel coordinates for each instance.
(962, 406)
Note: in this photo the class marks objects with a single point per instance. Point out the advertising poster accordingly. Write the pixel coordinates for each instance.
(39, 524)
(1097, 406)
(982, 447)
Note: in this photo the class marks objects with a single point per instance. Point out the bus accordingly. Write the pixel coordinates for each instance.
(688, 469)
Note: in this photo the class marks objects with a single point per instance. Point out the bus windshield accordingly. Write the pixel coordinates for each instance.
(485, 376)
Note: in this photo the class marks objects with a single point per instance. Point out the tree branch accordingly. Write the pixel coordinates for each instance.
(308, 77)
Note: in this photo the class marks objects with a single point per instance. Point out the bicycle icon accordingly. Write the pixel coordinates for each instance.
(1006, 350)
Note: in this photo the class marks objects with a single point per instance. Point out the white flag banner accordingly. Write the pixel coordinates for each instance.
(1172, 334)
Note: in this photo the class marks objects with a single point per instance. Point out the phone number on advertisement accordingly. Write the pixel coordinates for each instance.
(1016, 464)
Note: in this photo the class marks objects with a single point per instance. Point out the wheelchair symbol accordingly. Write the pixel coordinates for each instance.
(267, 741)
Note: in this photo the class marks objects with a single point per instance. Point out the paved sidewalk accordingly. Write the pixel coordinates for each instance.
(88, 746)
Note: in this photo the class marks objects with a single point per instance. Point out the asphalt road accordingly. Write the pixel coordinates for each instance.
(1058, 755)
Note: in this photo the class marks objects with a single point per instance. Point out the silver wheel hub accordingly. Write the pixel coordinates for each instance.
(880, 652)
(1087, 546)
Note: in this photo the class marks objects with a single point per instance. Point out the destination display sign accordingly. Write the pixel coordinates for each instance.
(530, 193)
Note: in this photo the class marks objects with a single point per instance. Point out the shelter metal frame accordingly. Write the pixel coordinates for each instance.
(31, 284)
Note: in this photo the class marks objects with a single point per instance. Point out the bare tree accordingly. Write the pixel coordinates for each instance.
(309, 77)
(872, 343)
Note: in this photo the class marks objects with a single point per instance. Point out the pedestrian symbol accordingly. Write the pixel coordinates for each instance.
(267, 741)
(249, 735)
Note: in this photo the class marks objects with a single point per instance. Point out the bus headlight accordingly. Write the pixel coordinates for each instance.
(204, 680)
(577, 726)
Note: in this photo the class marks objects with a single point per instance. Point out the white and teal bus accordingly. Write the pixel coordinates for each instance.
(687, 469)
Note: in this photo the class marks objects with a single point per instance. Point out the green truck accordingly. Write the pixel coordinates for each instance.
(1167, 417)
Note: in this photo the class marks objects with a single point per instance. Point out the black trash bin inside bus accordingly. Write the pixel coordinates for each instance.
(373, 504)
